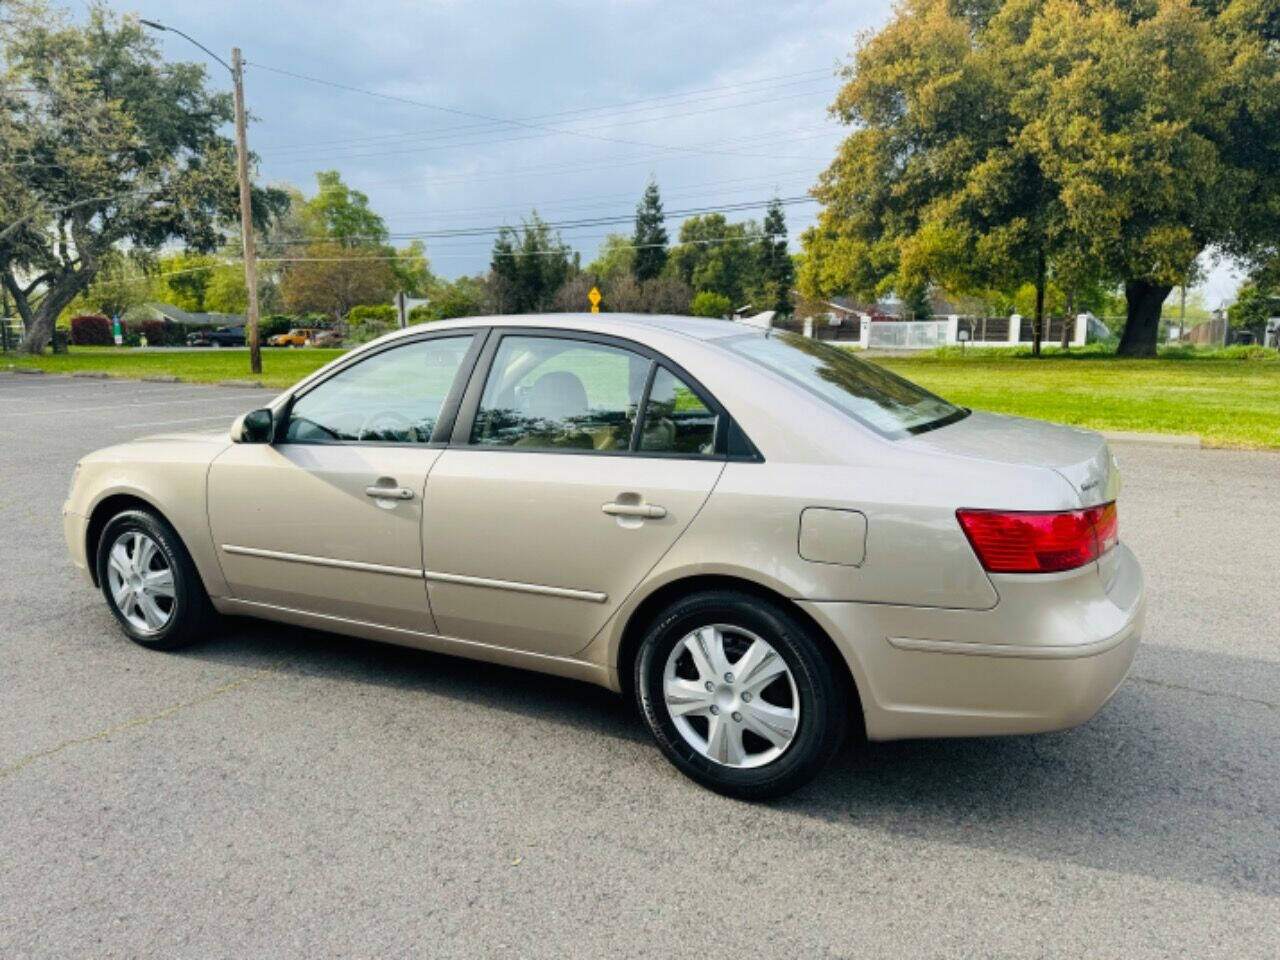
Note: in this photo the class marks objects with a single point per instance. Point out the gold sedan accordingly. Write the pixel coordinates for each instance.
(765, 540)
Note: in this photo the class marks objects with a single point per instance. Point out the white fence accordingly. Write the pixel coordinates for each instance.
(927, 334)
(905, 334)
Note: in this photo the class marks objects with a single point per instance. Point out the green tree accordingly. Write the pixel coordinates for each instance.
(341, 213)
(775, 272)
(226, 291)
(528, 267)
(121, 283)
(1252, 309)
(710, 304)
(332, 279)
(183, 280)
(650, 237)
(412, 271)
(715, 255)
(463, 297)
(614, 261)
(114, 146)
(1004, 143)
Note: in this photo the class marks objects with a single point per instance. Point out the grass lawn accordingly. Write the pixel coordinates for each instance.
(1228, 401)
(280, 366)
(1225, 397)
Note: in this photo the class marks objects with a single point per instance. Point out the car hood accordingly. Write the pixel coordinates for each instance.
(1080, 457)
(189, 446)
(219, 436)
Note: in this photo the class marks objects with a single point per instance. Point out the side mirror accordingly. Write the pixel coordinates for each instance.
(253, 427)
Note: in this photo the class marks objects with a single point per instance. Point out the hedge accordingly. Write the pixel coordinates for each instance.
(91, 330)
(162, 333)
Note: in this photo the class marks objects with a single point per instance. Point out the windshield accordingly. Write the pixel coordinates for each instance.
(873, 396)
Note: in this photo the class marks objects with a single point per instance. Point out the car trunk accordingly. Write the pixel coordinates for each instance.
(1080, 457)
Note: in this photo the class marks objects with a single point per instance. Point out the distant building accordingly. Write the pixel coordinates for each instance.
(167, 311)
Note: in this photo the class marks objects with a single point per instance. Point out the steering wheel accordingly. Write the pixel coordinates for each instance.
(385, 418)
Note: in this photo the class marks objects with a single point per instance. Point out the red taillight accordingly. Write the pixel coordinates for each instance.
(1012, 541)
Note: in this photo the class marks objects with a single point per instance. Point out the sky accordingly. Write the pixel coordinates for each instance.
(476, 113)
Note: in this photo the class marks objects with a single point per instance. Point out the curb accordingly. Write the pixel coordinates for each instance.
(161, 379)
(89, 374)
(27, 370)
(1189, 441)
(239, 383)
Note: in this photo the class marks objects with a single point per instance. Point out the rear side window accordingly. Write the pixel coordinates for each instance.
(885, 402)
(554, 393)
(675, 418)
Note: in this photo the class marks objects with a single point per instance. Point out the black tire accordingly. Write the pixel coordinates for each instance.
(190, 614)
(823, 710)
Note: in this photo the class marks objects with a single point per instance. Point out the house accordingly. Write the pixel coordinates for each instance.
(167, 311)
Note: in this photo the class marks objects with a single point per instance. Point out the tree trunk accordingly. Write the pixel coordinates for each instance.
(1037, 325)
(41, 321)
(1068, 318)
(1142, 318)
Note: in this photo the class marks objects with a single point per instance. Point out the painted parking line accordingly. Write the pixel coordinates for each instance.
(58, 391)
(162, 423)
(173, 401)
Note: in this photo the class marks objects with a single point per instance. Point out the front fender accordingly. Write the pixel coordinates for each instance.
(174, 485)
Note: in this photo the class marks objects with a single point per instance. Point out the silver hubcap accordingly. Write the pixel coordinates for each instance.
(141, 582)
(731, 696)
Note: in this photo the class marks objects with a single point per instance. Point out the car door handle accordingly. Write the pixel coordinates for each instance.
(389, 493)
(649, 511)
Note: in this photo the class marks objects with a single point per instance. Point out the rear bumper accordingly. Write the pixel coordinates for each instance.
(1048, 656)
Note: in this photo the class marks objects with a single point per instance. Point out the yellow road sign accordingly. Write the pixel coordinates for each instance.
(594, 297)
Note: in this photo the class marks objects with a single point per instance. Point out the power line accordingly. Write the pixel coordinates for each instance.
(570, 168)
(514, 122)
(463, 130)
(747, 238)
(579, 111)
(787, 176)
(537, 135)
(577, 223)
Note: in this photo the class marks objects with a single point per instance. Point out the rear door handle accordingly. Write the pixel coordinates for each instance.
(389, 493)
(650, 511)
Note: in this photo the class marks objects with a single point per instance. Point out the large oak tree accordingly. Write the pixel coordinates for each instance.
(111, 146)
(1002, 143)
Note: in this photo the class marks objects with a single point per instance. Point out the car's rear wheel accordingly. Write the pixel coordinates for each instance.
(150, 581)
(739, 694)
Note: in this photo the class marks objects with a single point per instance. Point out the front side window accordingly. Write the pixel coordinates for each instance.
(394, 396)
(676, 420)
(869, 393)
(555, 393)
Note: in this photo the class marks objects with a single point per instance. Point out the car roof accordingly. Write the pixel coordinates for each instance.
(635, 324)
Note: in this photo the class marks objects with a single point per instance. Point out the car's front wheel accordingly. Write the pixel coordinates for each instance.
(739, 694)
(150, 581)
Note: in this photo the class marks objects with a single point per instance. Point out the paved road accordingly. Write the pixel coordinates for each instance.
(281, 793)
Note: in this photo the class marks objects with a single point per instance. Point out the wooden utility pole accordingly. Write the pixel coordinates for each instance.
(246, 218)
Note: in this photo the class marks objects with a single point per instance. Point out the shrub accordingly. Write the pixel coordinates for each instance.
(422, 313)
(382, 313)
(708, 304)
(162, 333)
(276, 323)
(368, 330)
(91, 330)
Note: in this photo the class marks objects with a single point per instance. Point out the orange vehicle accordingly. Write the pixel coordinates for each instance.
(297, 337)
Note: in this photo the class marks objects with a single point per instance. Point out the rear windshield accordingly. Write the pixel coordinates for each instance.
(873, 396)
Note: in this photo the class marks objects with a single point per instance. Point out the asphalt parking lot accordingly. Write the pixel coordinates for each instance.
(276, 792)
